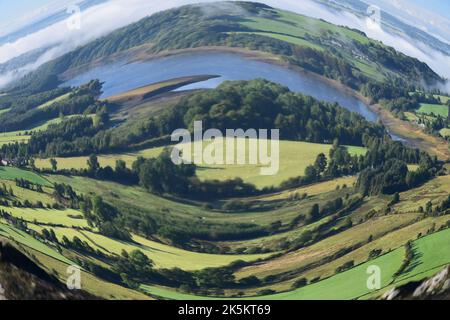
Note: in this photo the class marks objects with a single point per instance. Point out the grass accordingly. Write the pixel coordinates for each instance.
(376, 227)
(286, 38)
(164, 256)
(444, 99)
(312, 190)
(89, 282)
(344, 286)
(296, 29)
(25, 135)
(57, 99)
(435, 191)
(23, 194)
(131, 200)
(68, 217)
(436, 109)
(25, 239)
(348, 285)
(2, 111)
(432, 252)
(12, 173)
(294, 158)
(445, 132)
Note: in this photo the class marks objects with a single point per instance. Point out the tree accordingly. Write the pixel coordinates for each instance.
(32, 164)
(321, 163)
(93, 165)
(54, 164)
(311, 174)
(314, 213)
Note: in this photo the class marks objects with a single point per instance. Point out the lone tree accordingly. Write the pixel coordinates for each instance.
(54, 164)
(93, 165)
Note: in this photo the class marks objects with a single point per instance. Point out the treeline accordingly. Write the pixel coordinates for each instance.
(235, 104)
(24, 111)
(387, 171)
(264, 104)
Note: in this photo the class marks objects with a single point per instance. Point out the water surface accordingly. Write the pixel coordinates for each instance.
(122, 76)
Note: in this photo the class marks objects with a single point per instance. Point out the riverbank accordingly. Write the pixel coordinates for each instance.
(412, 135)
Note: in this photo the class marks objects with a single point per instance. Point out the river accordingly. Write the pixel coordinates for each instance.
(122, 76)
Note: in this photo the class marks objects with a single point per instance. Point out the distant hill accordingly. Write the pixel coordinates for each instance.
(390, 23)
(336, 52)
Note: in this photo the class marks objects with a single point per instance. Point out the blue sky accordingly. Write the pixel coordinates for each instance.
(13, 9)
(441, 7)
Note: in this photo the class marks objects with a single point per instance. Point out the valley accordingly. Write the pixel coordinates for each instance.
(86, 176)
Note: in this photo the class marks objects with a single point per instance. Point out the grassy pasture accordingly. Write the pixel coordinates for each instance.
(435, 191)
(445, 132)
(132, 199)
(23, 194)
(344, 286)
(286, 38)
(68, 217)
(432, 254)
(436, 109)
(296, 29)
(312, 190)
(25, 135)
(12, 173)
(57, 99)
(89, 282)
(377, 227)
(444, 99)
(387, 243)
(295, 156)
(352, 284)
(2, 111)
(25, 239)
(164, 256)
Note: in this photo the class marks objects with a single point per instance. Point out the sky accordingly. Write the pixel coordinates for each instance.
(441, 7)
(11, 11)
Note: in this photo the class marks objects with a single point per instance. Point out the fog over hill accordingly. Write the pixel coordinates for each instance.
(101, 17)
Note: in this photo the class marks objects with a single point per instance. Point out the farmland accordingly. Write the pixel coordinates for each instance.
(105, 196)
(434, 109)
(352, 284)
(25, 135)
(12, 173)
(294, 158)
(163, 255)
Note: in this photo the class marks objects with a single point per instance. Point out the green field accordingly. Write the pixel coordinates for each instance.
(25, 239)
(25, 135)
(12, 173)
(444, 99)
(433, 255)
(164, 256)
(344, 286)
(436, 109)
(294, 158)
(68, 217)
(296, 29)
(2, 111)
(445, 132)
(57, 99)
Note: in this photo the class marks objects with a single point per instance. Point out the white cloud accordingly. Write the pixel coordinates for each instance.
(102, 19)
